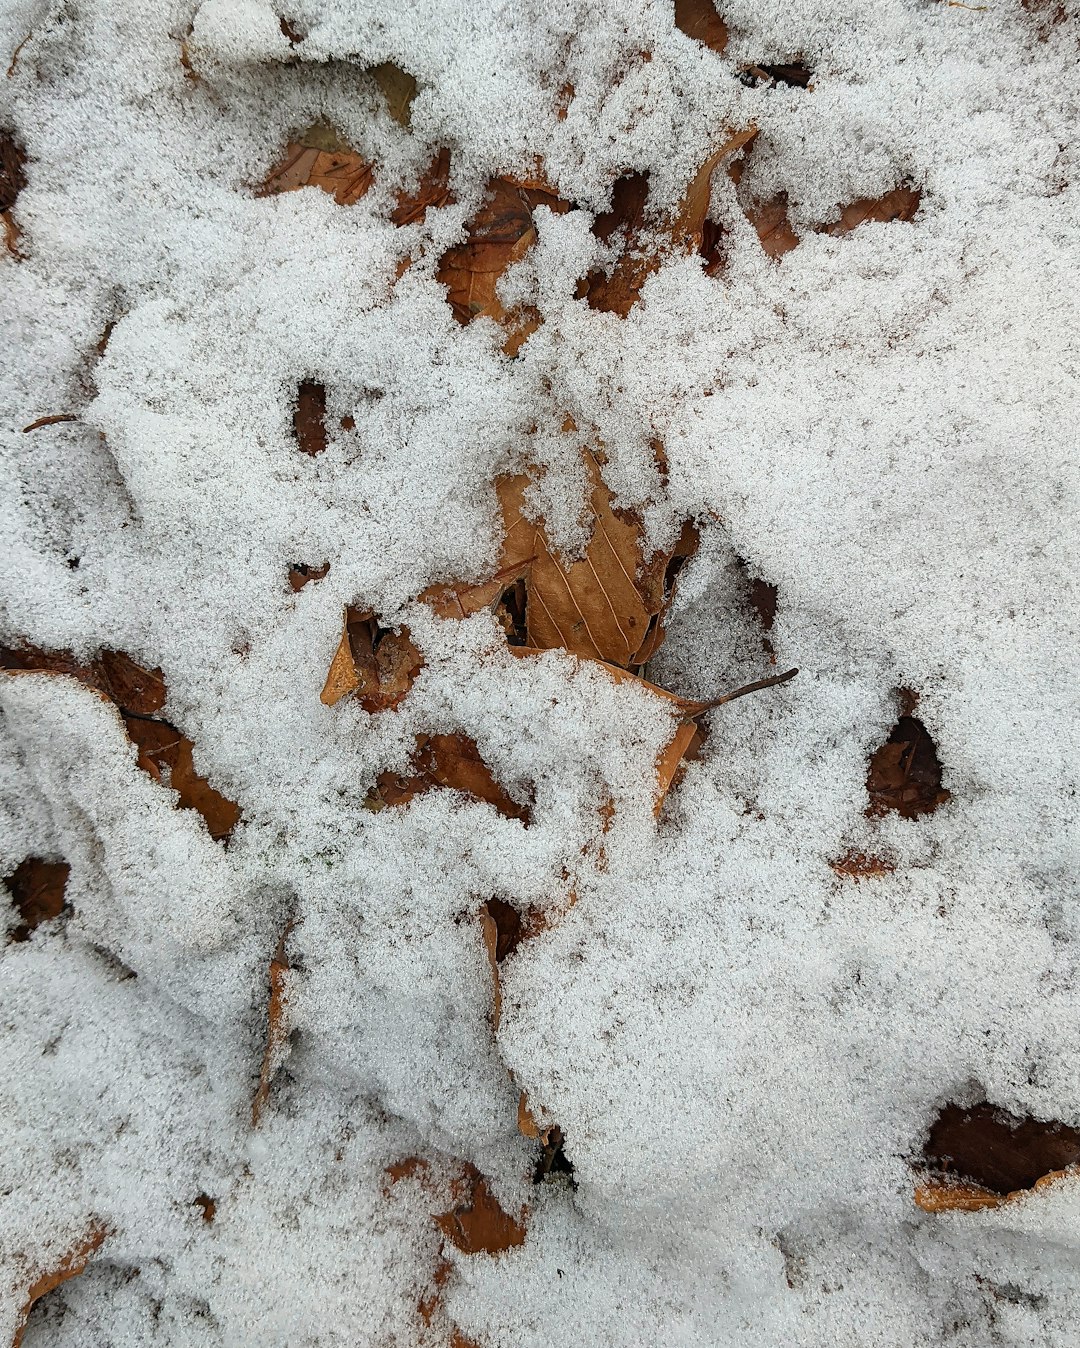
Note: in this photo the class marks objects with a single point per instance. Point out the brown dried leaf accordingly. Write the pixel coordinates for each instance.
(56, 419)
(477, 1224)
(398, 87)
(301, 574)
(858, 866)
(12, 182)
(70, 1266)
(795, 73)
(900, 204)
(433, 191)
(37, 888)
(319, 158)
(999, 1151)
(376, 664)
(452, 761)
(277, 1026)
(698, 19)
(309, 418)
(905, 773)
(770, 219)
(168, 757)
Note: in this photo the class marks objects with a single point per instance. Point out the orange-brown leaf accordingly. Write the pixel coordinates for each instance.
(277, 1026)
(319, 158)
(309, 418)
(452, 761)
(37, 888)
(858, 866)
(167, 755)
(379, 666)
(477, 1224)
(433, 191)
(698, 19)
(900, 204)
(70, 1266)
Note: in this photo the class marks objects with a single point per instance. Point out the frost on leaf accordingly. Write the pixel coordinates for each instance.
(320, 158)
(137, 693)
(12, 182)
(37, 890)
(698, 19)
(69, 1266)
(476, 1224)
(451, 761)
(433, 191)
(905, 773)
(277, 1027)
(981, 1157)
(373, 664)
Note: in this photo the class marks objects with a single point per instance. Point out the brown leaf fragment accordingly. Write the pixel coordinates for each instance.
(452, 761)
(301, 574)
(900, 204)
(112, 673)
(433, 192)
(905, 773)
(770, 219)
(309, 418)
(527, 1125)
(277, 1027)
(209, 1207)
(319, 158)
(12, 182)
(168, 756)
(1047, 14)
(374, 663)
(859, 866)
(37, 889)
(69, 1266)
(698, 19)
(503, 931)
(795, 73)
(398, 88)
(477, 1224)
(53, 420)
(996, 1150)
(553, 1160)
(499, 234)
(289, 30)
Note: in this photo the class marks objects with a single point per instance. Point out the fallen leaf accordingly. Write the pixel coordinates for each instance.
(209, 1207)
(432, 192)
(277, 1026)
(527, 1125)
(12, 182)
(300, 574)
(477, 1224)
(858, 866)
(770, 219)
(902, 203)
(168, 757)
(553, 1160)
(698, 19)
(37, 890)
(309, 418)
(70, 1266)
(398, 87)
(320, 158)
(372, 663)
(503, 931)
(997, 1151)
(905, 773)
(794, 73)
(452, 761)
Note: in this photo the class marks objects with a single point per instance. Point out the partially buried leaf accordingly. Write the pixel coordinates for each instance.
(451, 761)
(698, 19)
(433, 191)
(319, 158)
(69, 1266)
(12, 182)
(168, 757)
(372, 663)
(900, 204)
(477, 1224)
(37, 888)
(309, 418)
(277, 1027)
(905, 772)
(398, 87)
(301, 574)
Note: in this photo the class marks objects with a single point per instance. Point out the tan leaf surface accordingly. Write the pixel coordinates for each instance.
(375, 664)
(70, 1266)
(398, 87)
(945, 1194)
(477, 1224)
(277, 1026)
(319, 158)
(698, 19)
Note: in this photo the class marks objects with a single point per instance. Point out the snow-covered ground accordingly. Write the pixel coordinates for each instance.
(744, 1048)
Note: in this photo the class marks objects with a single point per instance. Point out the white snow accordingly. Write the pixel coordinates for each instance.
(743, 1049)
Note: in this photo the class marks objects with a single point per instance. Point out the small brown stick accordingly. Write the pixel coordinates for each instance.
(770, 682)
(50, 421)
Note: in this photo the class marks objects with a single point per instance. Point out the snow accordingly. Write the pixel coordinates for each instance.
(743, 1049)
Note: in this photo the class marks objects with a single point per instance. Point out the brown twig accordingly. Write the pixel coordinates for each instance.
(50, 421)
(753, 687)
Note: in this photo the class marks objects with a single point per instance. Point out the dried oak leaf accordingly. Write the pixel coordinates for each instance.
(609, 605)
(902, 203)
(981, 1156)
(70, 1266)
(398, 87)
(498, 235)
(166, 754)
(795, 73)
(277, 1026)
(476, 1224)
(859, 866)
(372, 663)
(451, 761)
(37, 888)
(698, 19)
(320, 158)
(12, 182)
(905, 773)
(433, 191)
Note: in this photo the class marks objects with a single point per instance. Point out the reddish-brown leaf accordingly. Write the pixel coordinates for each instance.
(300, 574)
(70, 1266)
(770, 219)
(905, 773)
(37, 889)
(208, 1206)
(452, 761)
(309, 418)
(168, 757)
(376, 665)
(900, 204)
(858, 866)
(12, 182)
(433, 191)
(277, 1026)
(698, 19)
(477, 1224)
(997, 1150)
(319, 158)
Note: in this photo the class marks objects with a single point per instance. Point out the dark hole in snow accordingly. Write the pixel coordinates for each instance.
(905, 773)
(37, 889)
(309, 418)
(553, 1161)
(998, 1150)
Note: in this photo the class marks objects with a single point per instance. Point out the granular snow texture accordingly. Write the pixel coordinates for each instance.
(744, 1045)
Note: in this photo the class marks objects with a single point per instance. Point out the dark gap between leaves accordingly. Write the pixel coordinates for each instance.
(998, 1150)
